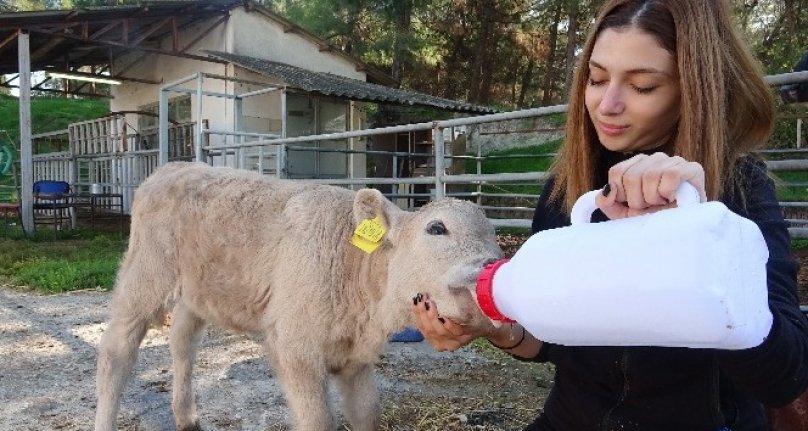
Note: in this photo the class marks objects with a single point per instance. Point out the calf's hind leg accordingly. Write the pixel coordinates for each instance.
(186, 331)
(140, 290)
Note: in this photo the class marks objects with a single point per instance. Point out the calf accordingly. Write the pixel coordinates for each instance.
(280, 259)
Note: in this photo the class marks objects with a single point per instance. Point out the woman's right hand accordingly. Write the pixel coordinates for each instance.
(442, 334)
(647, 183)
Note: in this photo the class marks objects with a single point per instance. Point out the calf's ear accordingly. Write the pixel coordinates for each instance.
(369, 204)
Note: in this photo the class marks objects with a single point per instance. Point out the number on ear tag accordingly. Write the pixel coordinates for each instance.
(368, 235)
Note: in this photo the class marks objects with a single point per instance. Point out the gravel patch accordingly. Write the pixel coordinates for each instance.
(47, 376)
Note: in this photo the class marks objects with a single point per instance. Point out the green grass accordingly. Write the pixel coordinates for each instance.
(54, 261)
(786, 192)
(48, 113)
(61, 261)
(537, 159)
(70, 260)
(513, 231)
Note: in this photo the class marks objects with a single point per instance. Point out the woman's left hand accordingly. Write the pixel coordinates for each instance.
(647, 183)
(443, 334)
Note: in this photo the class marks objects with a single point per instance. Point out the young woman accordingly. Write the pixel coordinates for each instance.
(665, 92)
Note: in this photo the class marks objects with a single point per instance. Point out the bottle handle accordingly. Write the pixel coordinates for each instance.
(686, 195)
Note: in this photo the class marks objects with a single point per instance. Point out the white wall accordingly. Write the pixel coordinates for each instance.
(244, 33)
(261, 113)
(259, 36)
(163, 68)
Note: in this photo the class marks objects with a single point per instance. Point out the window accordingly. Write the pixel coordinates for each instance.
(179, 110)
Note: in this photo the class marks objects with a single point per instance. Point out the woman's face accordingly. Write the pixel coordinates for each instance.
(633, 94)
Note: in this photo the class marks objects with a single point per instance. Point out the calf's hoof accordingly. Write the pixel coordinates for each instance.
(193, 427)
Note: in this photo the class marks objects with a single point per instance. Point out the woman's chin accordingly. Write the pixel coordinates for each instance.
(615, 144)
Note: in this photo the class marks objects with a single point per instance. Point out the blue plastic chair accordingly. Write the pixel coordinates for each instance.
(51, 187)
(51, 203)
(407, 335)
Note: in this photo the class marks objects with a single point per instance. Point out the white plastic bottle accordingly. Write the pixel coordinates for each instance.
(691, 276)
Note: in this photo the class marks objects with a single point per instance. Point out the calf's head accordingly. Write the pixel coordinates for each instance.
(438, 250)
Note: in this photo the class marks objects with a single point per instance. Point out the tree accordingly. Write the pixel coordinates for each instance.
(777, 30)
(506, 53)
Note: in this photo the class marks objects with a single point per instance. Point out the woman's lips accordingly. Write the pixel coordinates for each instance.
(611, 129)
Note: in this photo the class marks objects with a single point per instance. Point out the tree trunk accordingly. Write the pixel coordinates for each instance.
(527, 79)
(452, 64)
(549, 71)
(481, 52)
(403, 20)
(572, 43)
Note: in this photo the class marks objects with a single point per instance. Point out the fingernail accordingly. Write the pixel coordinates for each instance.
(419, 297)
(607, 189)
(441, 320)
(415, 300)
(426, 305)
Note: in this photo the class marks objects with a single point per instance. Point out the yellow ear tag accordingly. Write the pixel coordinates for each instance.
(368, 235)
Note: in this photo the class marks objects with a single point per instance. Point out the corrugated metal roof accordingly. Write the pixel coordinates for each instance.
(330, 84)
(89, 36)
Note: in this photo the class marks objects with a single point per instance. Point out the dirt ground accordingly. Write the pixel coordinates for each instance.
(47, 373)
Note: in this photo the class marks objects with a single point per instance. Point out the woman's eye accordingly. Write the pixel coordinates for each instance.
(436, 228)
(595, 83)
(643, 90)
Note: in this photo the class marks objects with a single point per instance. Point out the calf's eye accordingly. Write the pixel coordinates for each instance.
(436, 228)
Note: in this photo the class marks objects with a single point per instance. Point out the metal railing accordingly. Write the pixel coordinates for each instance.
(275, 148)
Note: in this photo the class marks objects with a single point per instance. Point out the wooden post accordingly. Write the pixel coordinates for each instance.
(26, 150)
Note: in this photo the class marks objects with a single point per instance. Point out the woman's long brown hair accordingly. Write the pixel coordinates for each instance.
(726, 109)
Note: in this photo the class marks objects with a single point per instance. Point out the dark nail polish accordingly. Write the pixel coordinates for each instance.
(441, 320)
(426, 305)
(414, 300)
(420, 297)
(607, 189)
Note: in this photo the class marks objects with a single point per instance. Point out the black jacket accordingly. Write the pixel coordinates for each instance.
(801, 88)
(656, 388)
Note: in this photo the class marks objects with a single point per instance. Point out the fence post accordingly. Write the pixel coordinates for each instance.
(198, 155)
(162, 142)
(438, 150)
(281, 160)
(479, 162)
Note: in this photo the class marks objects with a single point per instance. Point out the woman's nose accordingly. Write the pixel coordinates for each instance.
(612, 101)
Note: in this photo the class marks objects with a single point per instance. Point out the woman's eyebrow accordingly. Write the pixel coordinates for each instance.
(634, 71)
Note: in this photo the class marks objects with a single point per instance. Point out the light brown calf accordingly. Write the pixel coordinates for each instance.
(273, 257)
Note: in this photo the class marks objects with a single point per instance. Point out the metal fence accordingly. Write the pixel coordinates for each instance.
(273, 151)
(269, 154)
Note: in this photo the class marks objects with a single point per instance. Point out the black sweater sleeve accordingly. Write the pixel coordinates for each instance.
(776, 372)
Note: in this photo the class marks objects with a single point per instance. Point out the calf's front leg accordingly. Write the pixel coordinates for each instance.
(360, 397)
(305, 384)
